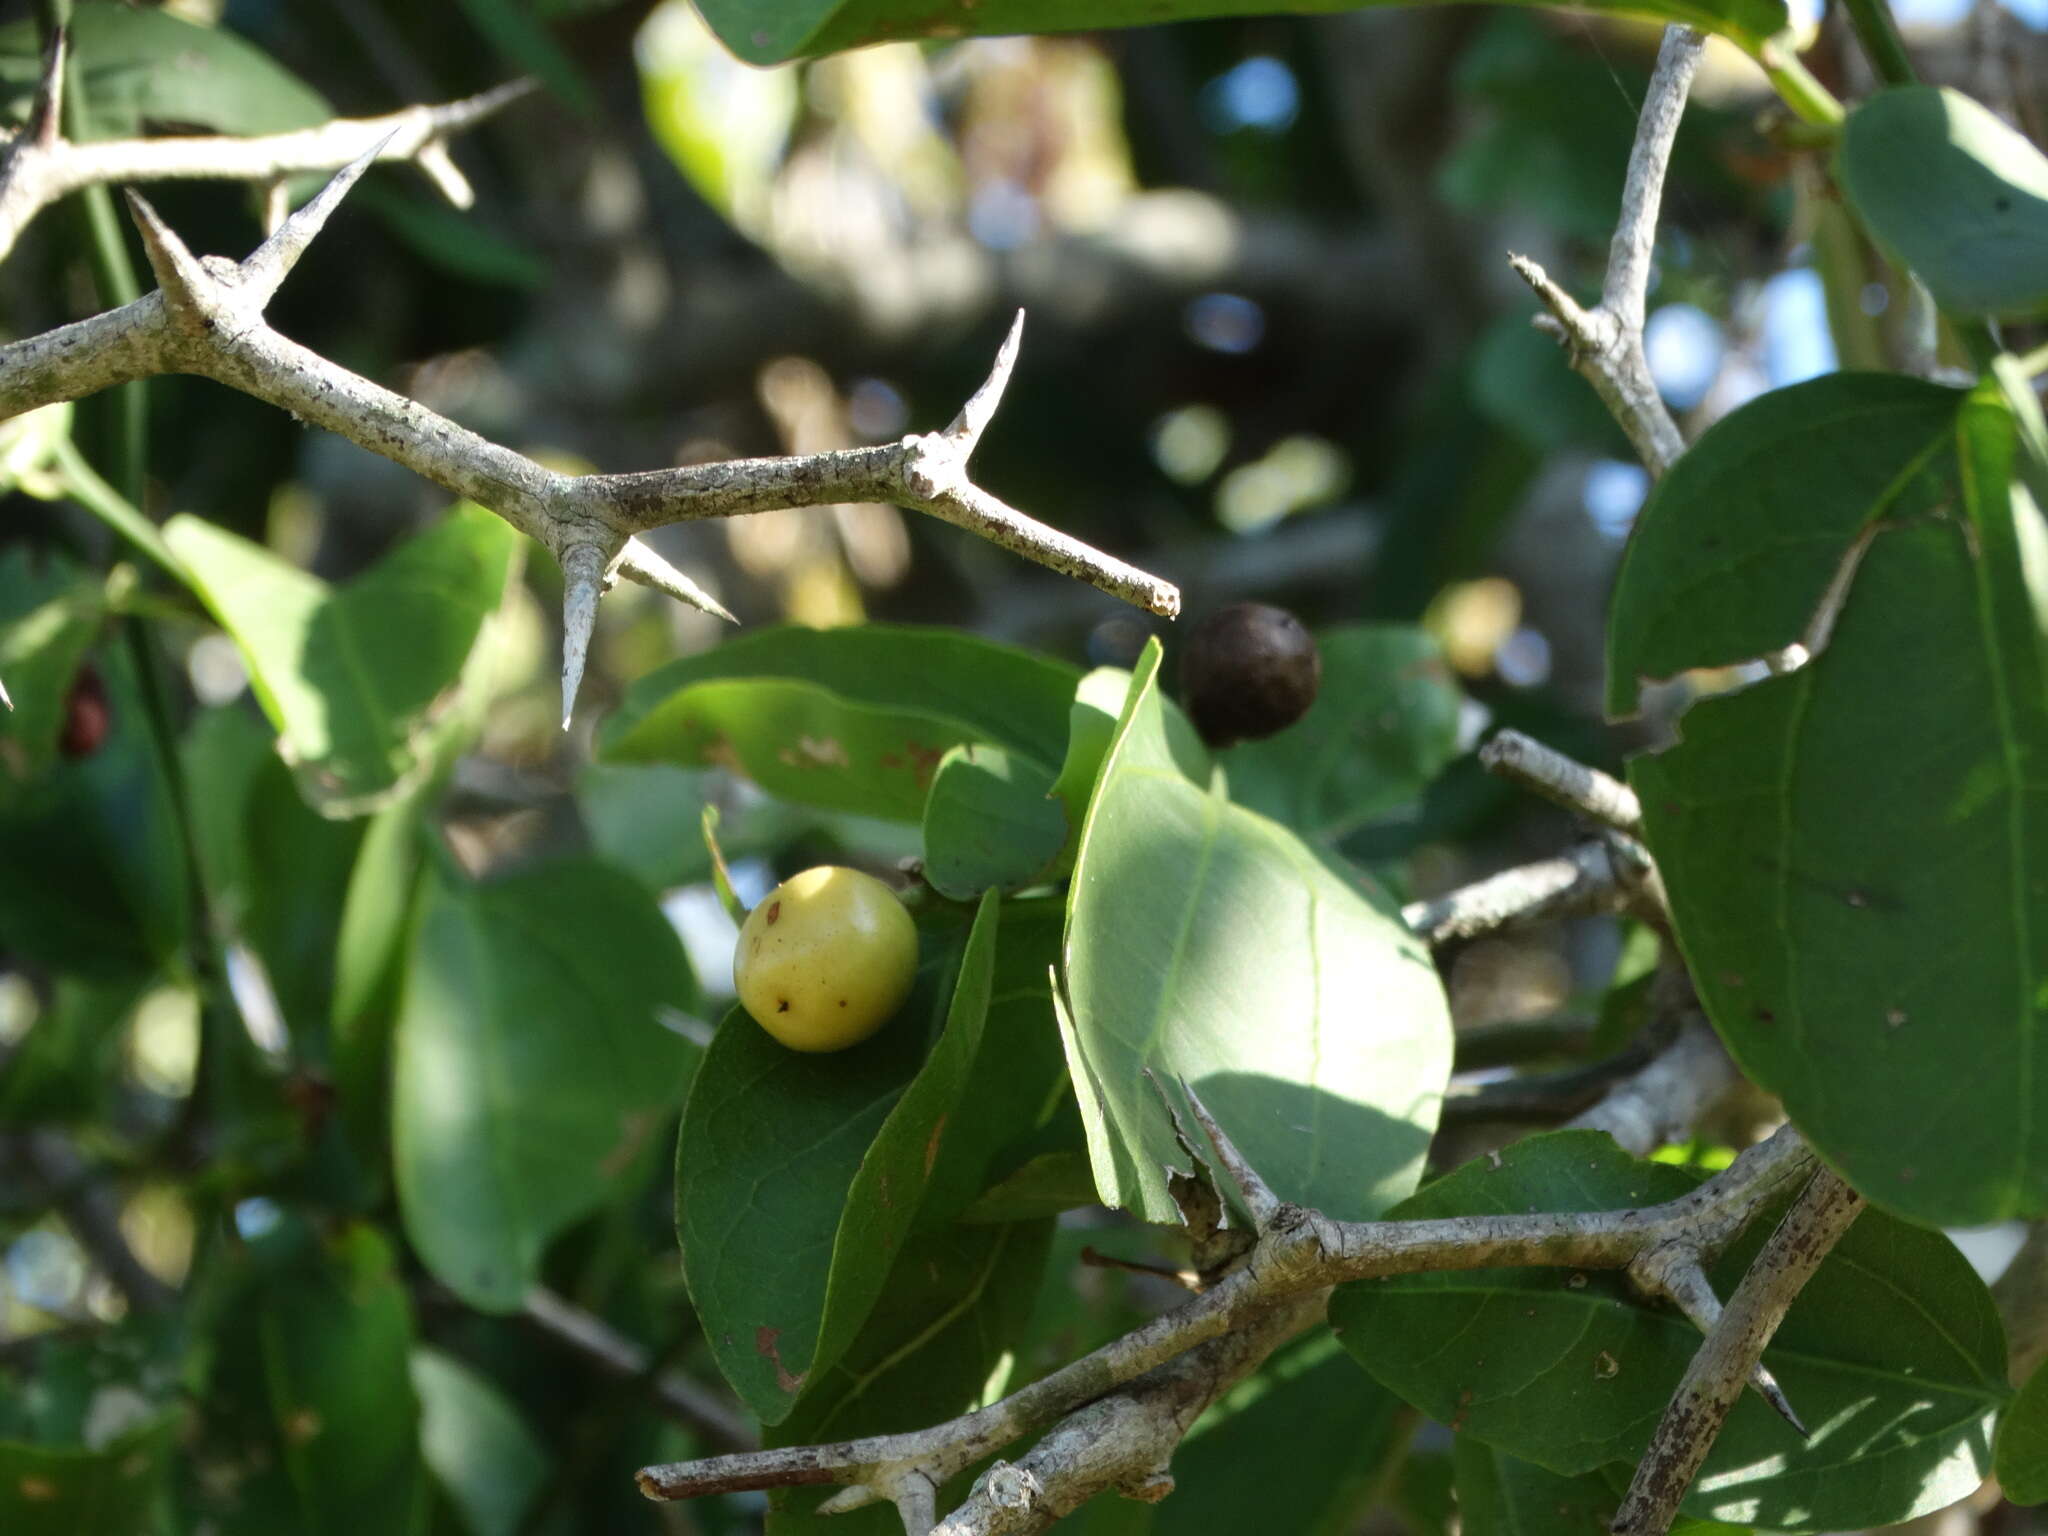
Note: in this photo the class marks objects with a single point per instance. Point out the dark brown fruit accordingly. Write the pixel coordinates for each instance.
(87, 714)
(1248, 671)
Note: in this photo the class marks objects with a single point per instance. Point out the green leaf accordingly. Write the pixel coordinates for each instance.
(849, 719)
(278, 871)
(476, 1445)
(1384, 724)
(1044, 1185)
(145, 72)
(1297, 1447)
(1893, 1352)
(2021, 1459)
(954, 1305)
(1205, 942)
(354, 679)
(770, 31)
(990, 822)
(1857, 852)
(1499, 1495)
(110, 1489)
(798, 1177)
(49, 613)
(1736, 547)
(336, 1337)
(523, 41)
(532, 1069)
(1952, 192)
(93, 876)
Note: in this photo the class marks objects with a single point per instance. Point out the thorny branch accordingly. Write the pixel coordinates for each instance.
(1728, 1358)
(39, 167)
(1299, 1254)
(1606, 341)
(206, 318)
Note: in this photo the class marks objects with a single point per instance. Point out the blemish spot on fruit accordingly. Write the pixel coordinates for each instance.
(36, 1490)
(1605, 1366)
(774, 910)
(1763, 1015)
(1577, 1282)
(842, 1002)
(782, 1005)
(1858, 899)
(1895, 1017)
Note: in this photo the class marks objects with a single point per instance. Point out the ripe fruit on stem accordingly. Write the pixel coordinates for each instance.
(825, 959)
(1248, 671)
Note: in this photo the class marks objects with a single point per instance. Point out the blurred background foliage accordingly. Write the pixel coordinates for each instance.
(1273, 351)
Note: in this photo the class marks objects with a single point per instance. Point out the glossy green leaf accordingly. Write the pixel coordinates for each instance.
(1952, 192)
(1016, 1104)
(1499, 1495)
(336, 1339)
(476, 1445)
(147, 72)
(990, 822)
(49, 613)
(355, 678)
(2021, 1459)
(1893, 1353)
(1736, 547)
(798, 1176)
(849, 719)
(532, 1070)
(1857, 852)
(770, 31)
(955, 1303)
(1385, 722)
(109, 1489)
(1209, 944)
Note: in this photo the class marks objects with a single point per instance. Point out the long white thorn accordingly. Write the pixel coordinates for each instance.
(980, 409)
(583, 568)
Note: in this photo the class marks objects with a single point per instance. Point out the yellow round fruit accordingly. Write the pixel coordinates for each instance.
(826, 959)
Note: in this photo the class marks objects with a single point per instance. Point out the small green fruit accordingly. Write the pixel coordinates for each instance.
(826, 959)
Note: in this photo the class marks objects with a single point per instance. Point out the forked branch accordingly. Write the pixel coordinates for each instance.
(207, 318)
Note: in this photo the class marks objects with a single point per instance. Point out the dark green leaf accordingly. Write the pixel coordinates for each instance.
(1499, 1495)
(336, 1337)
(145, 71)
(1857, 852)
(1893, 1352)
(1736, 547)
(531, 1067)
(93, 877)
(1516, 383)
(1045, 1185)
(2022, 1451)
(1295, 1448)
(110, 1489)
(770, 31)
(520, 37)
(1206, 942)
(1953, 193)
(278, 871)
(355, 679)
(990, 822)
(1384, 723)
(476, 1445)
(850, 719)
(954, 1305)
(798, 1176)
